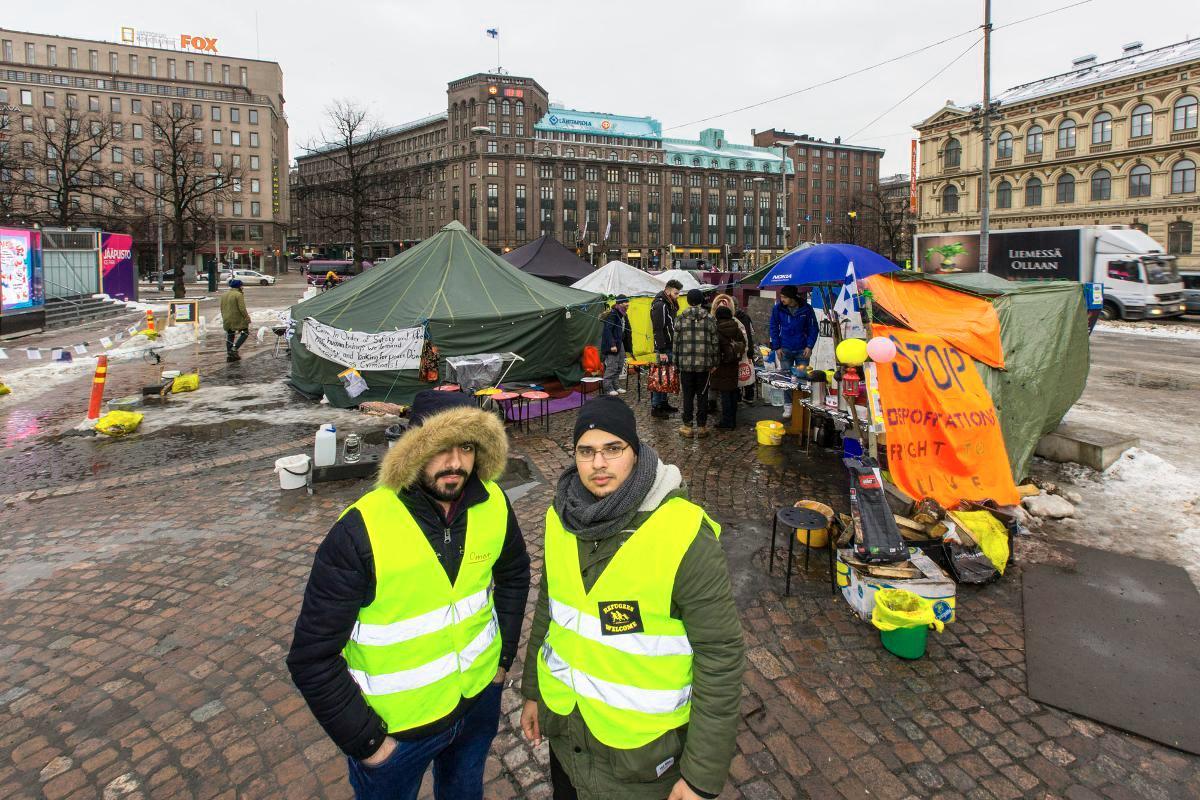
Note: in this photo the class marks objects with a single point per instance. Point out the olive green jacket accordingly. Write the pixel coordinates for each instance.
(234, 316)
(702, 750)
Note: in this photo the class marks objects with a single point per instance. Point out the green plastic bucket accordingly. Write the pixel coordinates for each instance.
(906, 642)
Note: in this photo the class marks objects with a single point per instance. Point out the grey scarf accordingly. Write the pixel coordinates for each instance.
(591, 519)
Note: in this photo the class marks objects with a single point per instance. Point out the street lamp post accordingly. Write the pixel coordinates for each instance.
(212, 267)
(783, 182)
(480, 131)
(758, 181)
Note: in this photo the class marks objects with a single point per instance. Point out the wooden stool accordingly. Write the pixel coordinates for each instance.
(543, 399)
(798, 519)
(448, 387)
(506, 400)
(587, 385)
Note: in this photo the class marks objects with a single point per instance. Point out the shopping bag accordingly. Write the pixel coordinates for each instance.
(429, 369)
(745, 373)
(663, 378)
(119, 423)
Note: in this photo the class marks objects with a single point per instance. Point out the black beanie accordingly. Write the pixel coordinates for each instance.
(430, 402)
(724, 313)
(695, 297)
(609, 414)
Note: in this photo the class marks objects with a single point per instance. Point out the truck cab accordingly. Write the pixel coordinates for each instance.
(1140, 281)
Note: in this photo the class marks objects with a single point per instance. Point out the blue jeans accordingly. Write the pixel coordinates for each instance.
(457, 753)
(792, 358)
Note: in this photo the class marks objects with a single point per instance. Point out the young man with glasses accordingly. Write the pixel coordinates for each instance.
(635, 658)
(414, 608)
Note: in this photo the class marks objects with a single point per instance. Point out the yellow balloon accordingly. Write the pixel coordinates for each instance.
(852, 352)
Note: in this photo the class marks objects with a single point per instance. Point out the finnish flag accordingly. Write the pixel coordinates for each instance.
(493, 33)
(847, 299)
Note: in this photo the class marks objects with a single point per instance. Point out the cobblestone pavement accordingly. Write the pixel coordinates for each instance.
(148, 607)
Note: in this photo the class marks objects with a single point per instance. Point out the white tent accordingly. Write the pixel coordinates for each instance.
(686, 278)
(617, 277)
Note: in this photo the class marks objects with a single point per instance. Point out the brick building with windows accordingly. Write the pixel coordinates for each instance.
(512, 166)
(1111, 142)
(239, 100)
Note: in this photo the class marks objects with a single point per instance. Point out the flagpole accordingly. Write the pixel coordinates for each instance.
(497, 52)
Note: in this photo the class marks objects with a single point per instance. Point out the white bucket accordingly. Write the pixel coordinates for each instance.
(293, 471)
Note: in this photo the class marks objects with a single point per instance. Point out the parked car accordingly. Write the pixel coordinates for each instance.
(1191, 291)
(248, 276)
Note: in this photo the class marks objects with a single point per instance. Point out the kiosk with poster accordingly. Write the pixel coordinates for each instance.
(22, 294)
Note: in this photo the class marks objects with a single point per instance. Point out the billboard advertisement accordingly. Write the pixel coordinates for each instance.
(1017, 255)
(20, 270)
(116, 266)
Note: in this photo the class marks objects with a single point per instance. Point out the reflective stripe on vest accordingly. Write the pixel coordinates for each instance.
(615, 652)
(423, 644)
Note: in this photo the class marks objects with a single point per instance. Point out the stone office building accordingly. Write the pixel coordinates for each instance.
(1106, 142)
(512, 166)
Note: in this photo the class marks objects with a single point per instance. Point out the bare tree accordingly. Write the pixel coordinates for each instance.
(351, 180)
(60, 167)
(879, 220)
(185, 180)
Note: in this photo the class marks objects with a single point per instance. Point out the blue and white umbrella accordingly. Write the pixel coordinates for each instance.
(825, 264)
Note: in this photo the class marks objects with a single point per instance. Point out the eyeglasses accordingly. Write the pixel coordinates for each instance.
(609, 452)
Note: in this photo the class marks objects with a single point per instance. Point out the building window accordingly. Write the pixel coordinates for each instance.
(1102, 128)
(253, 115)
(216, 113)
(1183, 177)
(520, 169)
(953, 153)
(235, 138)
(93, 60)
(1033, 193)
(491, 106)
(153, 66)
(519, 109)
(235, 114)
(133, 64)
(491, 146)
(1185, 113)
(1141, 122)
(1033, 140)
(48, 99)
(216, 137)
(505, 108)
(1179, 238)
(1004, 194)
(171, 69)
(255, 208)
(208, 73)
(1065, 190)
(1139, 181)
(255, 184)
(253, 138)
(191, 70)
(244, 76)
(950, 200)
(493, 168)
(1101, 185)
(225, 74)
(1066, 135)
(237, 208)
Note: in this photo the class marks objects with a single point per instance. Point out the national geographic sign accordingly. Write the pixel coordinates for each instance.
(1018, 255)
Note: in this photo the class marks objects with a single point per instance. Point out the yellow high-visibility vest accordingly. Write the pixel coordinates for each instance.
(616, 652)
(423, 644)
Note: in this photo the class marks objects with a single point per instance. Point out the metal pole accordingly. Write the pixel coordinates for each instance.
(985, 177)
(160, 257)
(784, 183)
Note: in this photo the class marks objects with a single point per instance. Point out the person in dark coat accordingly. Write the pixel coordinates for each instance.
(731, 346)
(663, 311)
(616, 342)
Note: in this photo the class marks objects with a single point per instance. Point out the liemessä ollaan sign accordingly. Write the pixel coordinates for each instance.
(182, 41)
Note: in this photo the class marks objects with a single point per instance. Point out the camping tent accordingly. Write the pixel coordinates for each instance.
(548, 259)
(1044, 343)
(617, 277)
(467, 299)
(686, 278)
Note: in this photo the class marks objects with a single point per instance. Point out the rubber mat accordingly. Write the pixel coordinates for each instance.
(1116, 639)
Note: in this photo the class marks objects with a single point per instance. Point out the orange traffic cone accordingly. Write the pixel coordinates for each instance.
(98, 387)
(149, 320)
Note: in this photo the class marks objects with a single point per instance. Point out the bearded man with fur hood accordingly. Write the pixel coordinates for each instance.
(413, 609)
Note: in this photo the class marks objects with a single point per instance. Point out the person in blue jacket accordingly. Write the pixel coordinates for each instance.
(794, 333)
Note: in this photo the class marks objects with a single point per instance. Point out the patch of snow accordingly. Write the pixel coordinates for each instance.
(1155, 329)
(1048, 505)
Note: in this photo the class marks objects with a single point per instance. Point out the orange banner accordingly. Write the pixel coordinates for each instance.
(943, 433)
(967, 322)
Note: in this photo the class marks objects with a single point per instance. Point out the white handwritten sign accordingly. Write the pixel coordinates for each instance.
(384, 351)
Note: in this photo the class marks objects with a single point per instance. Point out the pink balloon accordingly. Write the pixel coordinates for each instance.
(881, 349)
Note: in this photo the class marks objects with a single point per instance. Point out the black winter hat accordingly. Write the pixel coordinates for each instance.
(430, 402)
(609, 414)
(790, 291)
(620, 299)
(695, 297)
(724, 313)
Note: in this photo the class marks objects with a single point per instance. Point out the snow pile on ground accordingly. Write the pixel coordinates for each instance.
(1146, 475)
(1161, 330)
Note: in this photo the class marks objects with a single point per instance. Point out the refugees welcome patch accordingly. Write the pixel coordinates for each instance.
(620, 616)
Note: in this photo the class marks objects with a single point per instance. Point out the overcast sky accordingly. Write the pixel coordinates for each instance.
(676, 61)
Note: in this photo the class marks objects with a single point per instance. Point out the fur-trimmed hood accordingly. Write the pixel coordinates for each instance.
(403, 463)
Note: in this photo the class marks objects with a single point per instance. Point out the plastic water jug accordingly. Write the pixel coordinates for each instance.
(325, 450)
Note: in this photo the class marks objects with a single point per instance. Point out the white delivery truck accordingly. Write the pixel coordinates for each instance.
(1139, 279)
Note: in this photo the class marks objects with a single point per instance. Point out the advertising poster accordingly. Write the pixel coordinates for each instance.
(116, 266)
(20, 270)
(1016, 255)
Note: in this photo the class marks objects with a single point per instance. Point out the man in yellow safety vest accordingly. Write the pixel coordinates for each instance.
(635, 658)
(414, 607)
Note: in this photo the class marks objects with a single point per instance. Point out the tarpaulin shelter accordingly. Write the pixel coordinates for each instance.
(617, 277)
(685, 277)
(467, 298)
(1043, 335)
(549, 259)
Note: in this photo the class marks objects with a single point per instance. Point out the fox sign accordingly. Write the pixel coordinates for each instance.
(200, 43)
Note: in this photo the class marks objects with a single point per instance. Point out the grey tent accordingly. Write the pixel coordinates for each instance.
(548, 258)
(467, 299)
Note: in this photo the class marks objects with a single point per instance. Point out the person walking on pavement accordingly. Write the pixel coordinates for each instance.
(616, 341)
(235, 319)
(663, 311)
(634, 664)
(794, 332)
(731, 347)
(696, 353)
(747, 326)
(413, 609)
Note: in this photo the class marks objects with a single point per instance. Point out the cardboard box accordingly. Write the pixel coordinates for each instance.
(858, 587)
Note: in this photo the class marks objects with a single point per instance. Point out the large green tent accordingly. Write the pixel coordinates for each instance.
(1044, 336)
(468, 299)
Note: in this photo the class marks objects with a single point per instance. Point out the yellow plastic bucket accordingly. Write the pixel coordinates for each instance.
(769, 431)
(820, 537)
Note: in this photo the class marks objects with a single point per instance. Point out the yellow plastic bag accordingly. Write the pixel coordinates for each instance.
(119, 423)
(4, 389)
(185, 383)
(149, 334)
(989, 533)
(897, 608)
